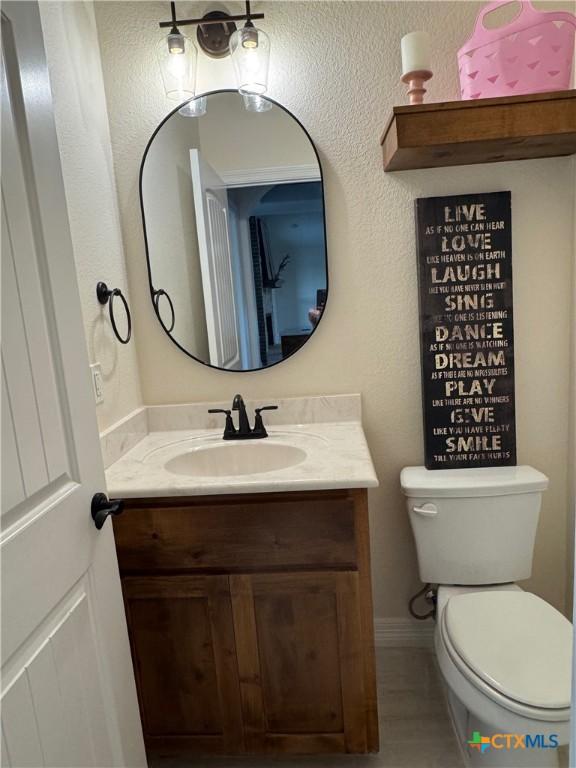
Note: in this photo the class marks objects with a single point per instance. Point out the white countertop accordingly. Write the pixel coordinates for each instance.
(337, 456)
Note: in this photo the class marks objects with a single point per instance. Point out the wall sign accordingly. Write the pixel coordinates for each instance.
(466, 330)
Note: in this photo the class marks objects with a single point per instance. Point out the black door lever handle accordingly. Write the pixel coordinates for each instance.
(102, 507)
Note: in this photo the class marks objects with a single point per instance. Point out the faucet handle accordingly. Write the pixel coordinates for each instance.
(259, 428)
(266, 408)
(229, 428)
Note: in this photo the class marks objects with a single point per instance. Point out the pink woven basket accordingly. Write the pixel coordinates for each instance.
(530, 54)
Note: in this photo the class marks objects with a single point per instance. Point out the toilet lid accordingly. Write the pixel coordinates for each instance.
(516, 642)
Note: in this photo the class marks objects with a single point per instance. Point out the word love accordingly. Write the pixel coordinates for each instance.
(481, 241)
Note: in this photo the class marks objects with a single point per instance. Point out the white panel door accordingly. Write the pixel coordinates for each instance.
(68, 692)
(216, 264)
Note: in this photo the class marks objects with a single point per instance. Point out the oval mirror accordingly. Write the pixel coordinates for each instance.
(233, 210)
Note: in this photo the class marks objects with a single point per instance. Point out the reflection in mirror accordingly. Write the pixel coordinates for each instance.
(233, 209)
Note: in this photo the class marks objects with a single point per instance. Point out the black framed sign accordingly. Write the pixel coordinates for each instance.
(464, 245)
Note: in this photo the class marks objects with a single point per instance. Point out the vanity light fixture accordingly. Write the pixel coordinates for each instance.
(217, 36)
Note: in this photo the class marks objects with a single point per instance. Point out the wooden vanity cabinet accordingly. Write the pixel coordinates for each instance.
(250, 622)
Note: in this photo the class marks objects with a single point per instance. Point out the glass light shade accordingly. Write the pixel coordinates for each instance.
(194, 108)
(250, 53)
(177, 56)
(255, 103)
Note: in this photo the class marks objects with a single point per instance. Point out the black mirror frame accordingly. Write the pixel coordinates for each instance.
(152, 290)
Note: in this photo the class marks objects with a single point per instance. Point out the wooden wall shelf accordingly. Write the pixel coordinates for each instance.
(480, 131)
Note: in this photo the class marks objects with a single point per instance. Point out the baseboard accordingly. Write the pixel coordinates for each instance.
(403, 633)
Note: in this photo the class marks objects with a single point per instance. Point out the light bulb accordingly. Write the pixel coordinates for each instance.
(250, 36)
(176, 43)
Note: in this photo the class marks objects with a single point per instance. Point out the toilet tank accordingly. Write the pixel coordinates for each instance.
(474, 526)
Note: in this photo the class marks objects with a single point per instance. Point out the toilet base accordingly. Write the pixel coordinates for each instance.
(465, 724)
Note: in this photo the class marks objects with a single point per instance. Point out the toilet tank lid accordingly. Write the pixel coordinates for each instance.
(419, 482)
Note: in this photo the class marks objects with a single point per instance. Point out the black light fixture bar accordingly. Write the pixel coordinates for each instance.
(184, 22)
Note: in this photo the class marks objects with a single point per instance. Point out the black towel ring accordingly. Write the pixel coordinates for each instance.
(156, 300)
(106, 295)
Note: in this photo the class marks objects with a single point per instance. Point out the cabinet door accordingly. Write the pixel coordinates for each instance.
(182, 639)
(299, 647)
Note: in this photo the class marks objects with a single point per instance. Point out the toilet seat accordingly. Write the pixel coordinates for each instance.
(514, 647)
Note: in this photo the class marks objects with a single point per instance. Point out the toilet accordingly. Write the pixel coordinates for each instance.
(504, 653)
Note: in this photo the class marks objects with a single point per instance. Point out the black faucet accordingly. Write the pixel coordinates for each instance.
(243, 432)
(243, 423)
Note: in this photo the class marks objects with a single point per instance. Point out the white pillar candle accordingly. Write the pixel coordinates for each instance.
(415, 52)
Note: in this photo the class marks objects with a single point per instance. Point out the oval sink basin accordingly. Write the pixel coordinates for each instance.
(228, 459)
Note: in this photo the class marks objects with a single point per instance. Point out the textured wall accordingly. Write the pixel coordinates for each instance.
(336, 67)
(84, 139)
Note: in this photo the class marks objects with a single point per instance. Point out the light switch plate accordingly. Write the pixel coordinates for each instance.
(97, 382)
